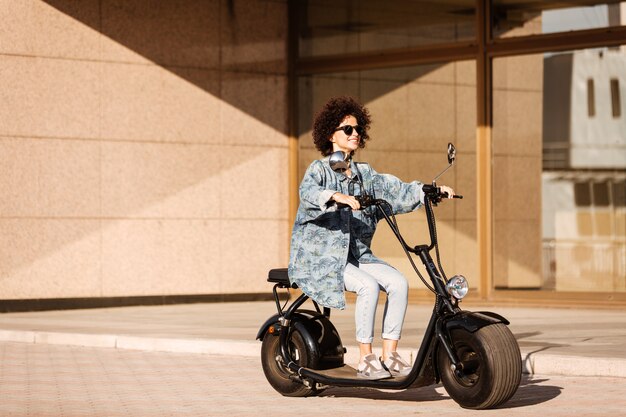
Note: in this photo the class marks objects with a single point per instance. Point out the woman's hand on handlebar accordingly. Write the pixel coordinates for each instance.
(447, 190)
(435, 193)
(347, 200)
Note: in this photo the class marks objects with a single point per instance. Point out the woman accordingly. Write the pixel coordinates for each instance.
(330, 246)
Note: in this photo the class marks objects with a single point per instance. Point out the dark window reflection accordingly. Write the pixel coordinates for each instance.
(615, 98)
(601, 194)
(582, 194)
(591, 98)
(619, 194)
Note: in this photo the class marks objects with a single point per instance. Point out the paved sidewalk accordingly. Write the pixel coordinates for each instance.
(554, 341)
(53, 380)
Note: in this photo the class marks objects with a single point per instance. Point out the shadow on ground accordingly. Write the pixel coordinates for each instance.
(531, 392)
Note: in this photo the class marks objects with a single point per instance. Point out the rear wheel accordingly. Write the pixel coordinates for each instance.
(492, 367)
(277, 373)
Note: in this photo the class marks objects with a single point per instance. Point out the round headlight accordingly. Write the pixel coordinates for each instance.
(457, 286)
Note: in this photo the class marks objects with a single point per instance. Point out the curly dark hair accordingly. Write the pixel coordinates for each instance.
(331, 115)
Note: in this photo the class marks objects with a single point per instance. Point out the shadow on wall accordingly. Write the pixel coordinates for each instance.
(191, 37)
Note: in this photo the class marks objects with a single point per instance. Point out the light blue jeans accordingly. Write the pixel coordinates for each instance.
(367, 280)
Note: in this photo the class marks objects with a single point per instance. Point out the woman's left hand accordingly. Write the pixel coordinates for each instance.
(448, 190)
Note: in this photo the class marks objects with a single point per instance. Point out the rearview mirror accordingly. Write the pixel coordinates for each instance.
(451, 153)
(451, 158)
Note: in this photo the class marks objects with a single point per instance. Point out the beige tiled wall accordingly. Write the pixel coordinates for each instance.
(142, 147)
(517, 167)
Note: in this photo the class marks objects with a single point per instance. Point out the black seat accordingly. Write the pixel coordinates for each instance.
(280, 276)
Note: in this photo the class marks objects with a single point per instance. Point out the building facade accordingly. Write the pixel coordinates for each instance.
(151, 151)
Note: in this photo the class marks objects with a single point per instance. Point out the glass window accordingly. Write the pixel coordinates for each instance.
(415, 112)
(619, 194)
(522, 17)
(582, 194)
(558, 175)
(616, 104)
(601, 194)
(329, 27)
(591, 98)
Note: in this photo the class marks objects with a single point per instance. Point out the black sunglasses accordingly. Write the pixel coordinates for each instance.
(347, 129)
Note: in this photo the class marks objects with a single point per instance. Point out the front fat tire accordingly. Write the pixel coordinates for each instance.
(494, 367)
(277, 374)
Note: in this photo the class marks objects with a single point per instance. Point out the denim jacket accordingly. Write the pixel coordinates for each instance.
(324, 235)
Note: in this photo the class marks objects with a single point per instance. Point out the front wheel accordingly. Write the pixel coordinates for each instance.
(492, 367)
(277, 373)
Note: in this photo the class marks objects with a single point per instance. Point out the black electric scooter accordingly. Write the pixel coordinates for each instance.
(474, 354)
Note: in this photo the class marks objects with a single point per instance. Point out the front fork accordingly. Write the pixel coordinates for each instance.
(442, 303)
(444, 340)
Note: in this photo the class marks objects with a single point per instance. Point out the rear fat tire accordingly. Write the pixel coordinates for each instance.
(493, 371)
(277, 374)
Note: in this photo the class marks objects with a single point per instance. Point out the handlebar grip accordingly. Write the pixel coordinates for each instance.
(454, 196)
(364, 200)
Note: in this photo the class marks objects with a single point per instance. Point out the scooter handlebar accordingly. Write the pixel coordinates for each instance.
(435, 193)
(364, 200)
